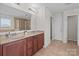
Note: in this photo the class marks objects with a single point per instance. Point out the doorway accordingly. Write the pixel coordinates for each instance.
(51, 28)
(72, 28)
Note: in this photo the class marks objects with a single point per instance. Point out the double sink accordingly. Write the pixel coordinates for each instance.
(16, 35)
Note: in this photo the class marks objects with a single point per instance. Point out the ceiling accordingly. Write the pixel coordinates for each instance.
(53, 7)
(7, 10)
(59, 7)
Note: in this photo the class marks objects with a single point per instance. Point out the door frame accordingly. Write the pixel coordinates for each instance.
(65, 27)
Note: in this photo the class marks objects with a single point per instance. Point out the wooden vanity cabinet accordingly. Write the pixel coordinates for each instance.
(0, 50)
(23, 47)
(40, 41)
(35, 44)
(29, 46)
(16, 48)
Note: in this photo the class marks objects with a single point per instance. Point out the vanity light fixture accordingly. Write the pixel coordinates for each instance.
(33, 10)
(67, 3)
(17, 3)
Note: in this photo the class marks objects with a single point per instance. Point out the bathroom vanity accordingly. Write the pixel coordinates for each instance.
(26, 45)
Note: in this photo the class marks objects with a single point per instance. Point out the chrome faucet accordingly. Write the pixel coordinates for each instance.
(8, 35)
(25, 32)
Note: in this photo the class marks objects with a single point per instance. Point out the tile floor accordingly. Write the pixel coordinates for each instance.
(58, 48)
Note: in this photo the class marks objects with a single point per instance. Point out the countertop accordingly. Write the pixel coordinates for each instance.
(22, 36)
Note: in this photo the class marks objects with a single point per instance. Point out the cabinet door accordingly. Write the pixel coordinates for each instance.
(25, 49)
(40, 41)
(14, 48)
(0, 50)
(29, 46)
(35, 48)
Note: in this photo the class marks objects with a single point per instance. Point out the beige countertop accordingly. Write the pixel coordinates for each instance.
(19, 37)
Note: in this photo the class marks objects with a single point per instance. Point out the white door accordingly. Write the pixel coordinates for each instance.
(72, 28)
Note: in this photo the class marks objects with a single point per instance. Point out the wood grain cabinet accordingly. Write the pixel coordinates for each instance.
(23, 47)
(0, 50)
(40, 41)
(14, 48)
(29, 46)
(35, 44)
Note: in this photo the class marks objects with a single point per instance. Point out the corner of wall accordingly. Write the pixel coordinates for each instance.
(46, 45)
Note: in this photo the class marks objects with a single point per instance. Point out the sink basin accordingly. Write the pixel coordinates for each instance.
(20, 35)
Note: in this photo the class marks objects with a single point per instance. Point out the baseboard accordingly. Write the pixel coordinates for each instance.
(58, 39)
(72, 40)
(46, 45)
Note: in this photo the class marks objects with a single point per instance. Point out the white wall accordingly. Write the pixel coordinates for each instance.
(69, 13)
(57, 26)
(33, 22)
(43, 23)
(78, 31)
(47, 26)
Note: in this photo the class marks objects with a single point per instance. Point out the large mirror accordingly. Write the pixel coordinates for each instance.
(12, 19)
